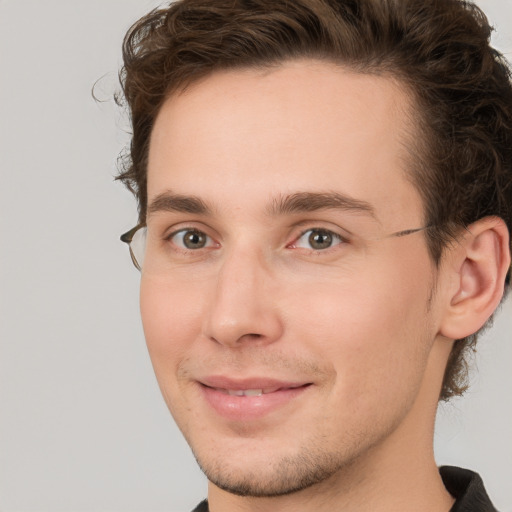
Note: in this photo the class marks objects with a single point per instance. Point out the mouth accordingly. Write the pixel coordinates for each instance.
(256, 391)
(249, 399)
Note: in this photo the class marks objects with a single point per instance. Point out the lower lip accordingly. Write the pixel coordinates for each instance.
(246, 408)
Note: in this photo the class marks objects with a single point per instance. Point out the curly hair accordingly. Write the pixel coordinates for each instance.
(439, 49)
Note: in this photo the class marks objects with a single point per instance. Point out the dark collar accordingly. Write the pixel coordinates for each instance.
(468, 490)
(202, 507)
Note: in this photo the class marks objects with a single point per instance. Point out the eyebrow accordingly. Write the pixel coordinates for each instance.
(298, 202)
(170, 202)
(313, 201)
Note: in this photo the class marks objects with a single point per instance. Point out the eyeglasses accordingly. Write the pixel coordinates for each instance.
(136, 240)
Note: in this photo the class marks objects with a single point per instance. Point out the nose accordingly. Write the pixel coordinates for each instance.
(242, 308)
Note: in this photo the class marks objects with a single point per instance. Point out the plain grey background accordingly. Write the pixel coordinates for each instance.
(82, 425)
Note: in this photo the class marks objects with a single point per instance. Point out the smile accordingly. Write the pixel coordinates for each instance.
(250, 402)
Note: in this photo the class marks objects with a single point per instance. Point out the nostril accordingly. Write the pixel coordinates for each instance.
(250, 336)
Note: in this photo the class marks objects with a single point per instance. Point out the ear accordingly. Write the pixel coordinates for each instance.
(477, 266)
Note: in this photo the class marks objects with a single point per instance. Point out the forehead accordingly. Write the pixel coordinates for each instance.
(303, 126)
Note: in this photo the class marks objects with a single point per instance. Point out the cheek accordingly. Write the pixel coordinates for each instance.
(374, 335)
(363, 314)
(171, 320)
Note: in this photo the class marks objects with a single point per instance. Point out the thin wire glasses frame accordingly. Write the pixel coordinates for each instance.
(129, 236)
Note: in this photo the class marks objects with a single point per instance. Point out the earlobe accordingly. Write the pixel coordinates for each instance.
(478, 267)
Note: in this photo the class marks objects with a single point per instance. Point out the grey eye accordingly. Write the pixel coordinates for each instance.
(191, 239)
(318, 239)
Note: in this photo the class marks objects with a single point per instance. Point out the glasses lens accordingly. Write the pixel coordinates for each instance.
(138, 246)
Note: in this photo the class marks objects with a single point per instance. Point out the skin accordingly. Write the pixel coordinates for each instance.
(360, 322)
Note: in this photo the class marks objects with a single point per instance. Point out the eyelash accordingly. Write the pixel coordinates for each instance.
(336, 240)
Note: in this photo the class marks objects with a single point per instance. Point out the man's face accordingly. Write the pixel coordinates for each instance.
(289, 336)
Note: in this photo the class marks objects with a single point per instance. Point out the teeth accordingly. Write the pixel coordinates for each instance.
(247, 392)
(235, 392)
(253, 392)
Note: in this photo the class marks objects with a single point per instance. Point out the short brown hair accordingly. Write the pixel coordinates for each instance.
(439, 49)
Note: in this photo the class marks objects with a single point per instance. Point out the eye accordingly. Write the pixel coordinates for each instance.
(191, 239)
(318, 239)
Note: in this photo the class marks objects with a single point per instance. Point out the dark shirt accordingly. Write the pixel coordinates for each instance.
(465, 486)
(468, 490)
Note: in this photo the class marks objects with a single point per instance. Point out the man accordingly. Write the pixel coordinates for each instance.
(324, 192)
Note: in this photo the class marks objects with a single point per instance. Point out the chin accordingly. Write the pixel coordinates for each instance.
(270, 478)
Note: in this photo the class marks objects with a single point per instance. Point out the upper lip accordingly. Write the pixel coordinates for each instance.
(228, 383)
